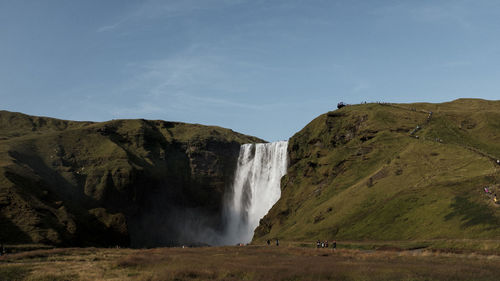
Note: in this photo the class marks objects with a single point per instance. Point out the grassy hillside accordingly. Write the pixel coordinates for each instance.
(359, 173)
(125, 182)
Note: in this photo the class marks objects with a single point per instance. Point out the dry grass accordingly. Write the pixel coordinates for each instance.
(37, 254)
(246, 263)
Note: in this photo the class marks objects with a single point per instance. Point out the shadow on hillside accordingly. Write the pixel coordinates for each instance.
(46, 178)
(472, 213)
(10, 233)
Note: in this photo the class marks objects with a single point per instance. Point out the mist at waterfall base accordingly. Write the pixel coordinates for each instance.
(254, 190)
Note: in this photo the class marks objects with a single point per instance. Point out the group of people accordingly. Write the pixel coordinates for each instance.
(324, 244)
(490, 193)
(429, 117)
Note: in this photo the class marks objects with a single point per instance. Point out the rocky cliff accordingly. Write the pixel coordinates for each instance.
(123, 182)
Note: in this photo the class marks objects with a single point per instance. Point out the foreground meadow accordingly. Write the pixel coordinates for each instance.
(287, 262)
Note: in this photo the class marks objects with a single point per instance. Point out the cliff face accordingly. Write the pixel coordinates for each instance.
(368, 172)
(122, 182)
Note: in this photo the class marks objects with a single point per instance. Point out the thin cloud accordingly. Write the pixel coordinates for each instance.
(452, 64)
(434, 12)
(187, 82)
(360, 87)
(454, 14)
(110, 27)
(141, 109)
(223, 102)
(155, 9)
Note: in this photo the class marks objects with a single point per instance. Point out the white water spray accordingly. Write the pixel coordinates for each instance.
(255, 189)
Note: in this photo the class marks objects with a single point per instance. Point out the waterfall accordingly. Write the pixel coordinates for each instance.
(255, 189)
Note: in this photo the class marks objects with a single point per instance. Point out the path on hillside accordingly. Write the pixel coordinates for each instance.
(428, 120)
(419, 127)
(468, 147)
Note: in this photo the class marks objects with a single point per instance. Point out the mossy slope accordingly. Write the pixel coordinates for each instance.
(122, 182)
(357, 174)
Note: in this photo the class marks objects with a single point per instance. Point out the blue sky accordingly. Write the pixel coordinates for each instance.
(264, 68)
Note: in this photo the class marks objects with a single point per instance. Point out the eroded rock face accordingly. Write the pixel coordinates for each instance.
(123, 182)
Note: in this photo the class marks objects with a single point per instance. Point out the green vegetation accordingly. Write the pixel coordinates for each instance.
(111, 183)
(401, 207)
(359, 174)
(364, 173)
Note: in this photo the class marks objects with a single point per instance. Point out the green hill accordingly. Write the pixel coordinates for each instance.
(362, 173)
(122, 182)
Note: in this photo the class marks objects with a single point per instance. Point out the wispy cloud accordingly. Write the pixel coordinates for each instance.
(140, 109)
(110, 27)
(457, 63)
(187, 82)
(360, 87)
(189, 73)
(159, 9)
(455, 12)
(224, 102)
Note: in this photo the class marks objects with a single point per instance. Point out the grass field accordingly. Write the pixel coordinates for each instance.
(351, 261)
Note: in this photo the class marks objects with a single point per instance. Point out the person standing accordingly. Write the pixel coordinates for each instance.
(268, 242)
(334, 244)
(277, 242)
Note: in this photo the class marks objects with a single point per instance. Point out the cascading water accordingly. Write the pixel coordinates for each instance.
(255, 189)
